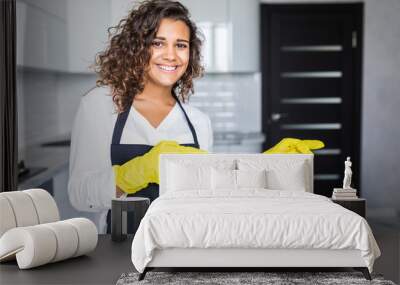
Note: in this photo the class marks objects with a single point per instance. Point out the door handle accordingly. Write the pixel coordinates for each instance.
(275, 117)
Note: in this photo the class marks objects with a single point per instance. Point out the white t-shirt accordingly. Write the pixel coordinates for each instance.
(173, 127)
(91, 183)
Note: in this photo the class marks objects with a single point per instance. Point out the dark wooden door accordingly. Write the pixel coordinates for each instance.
(311, 82)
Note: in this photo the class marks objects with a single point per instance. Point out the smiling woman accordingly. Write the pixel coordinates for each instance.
(157, 32)
(169, 60)
(145, 72)
(170, 53)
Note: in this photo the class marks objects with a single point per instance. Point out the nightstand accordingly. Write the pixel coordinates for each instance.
(119, 215)
(356, 205)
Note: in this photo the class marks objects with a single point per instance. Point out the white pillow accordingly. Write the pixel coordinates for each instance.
(282, 174)
(292, 180)
(229, 179)
(182, 177)
(223, 179)
(192, 160)
(251, 178)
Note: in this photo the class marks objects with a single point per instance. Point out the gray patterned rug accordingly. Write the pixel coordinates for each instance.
(243, 278)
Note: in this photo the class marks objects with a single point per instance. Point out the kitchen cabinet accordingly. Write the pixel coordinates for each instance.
(120, 9)
(244, 16)
(55, 8)
(87, 24)
(41, 41)
(215, 11)
(48, 166)
(61, 36)
(231, 32)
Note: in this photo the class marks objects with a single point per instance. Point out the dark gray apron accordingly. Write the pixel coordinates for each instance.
(121, 153)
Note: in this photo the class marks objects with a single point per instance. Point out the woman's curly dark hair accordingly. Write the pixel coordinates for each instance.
(122, 65)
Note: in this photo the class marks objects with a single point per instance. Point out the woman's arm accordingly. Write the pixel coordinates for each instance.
(91, 183)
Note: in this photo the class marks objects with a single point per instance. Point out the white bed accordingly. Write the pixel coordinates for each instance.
(203, 221)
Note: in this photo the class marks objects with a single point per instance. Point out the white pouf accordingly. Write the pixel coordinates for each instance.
(46, 207)
(37, 245)
(30, 230)
(22, 207)
(7, 220)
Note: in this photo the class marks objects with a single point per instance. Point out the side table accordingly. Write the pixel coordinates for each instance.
(358, 205)
(119, 215)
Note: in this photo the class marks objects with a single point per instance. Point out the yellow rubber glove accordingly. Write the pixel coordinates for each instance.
(291, 145)
(137, 173)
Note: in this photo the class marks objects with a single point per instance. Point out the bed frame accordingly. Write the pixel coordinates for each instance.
(245, 258)
(242, 259)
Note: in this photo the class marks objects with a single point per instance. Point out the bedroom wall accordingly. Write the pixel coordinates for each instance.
(380, 137)
(381, 104)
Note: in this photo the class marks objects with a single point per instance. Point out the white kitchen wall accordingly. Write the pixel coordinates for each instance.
(70, 89)
(37, 106)
(232, 100)
(47, 103)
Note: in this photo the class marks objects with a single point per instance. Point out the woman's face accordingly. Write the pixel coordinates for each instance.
(169, 53)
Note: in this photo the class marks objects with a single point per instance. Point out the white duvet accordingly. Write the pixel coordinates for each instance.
(252, 218)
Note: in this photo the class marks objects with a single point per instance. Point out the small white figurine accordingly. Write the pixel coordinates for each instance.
(347, 174)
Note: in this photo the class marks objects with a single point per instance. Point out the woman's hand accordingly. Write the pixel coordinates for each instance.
(118, 192)
(292, 145)
(139, 172)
